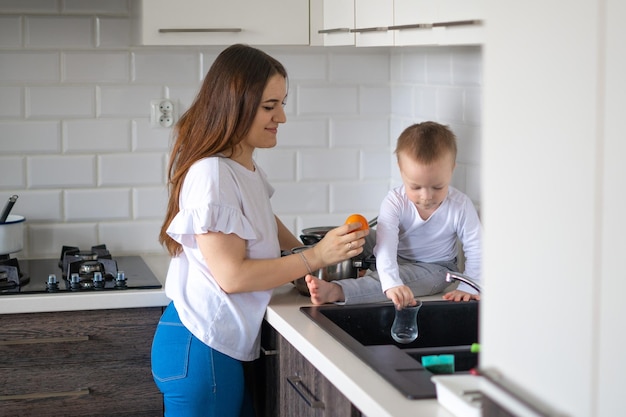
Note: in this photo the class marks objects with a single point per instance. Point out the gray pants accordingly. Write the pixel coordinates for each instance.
(422, 278)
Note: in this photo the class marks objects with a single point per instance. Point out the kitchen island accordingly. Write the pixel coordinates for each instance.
(360, 384)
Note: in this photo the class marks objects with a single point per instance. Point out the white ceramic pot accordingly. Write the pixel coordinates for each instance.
(12, 234)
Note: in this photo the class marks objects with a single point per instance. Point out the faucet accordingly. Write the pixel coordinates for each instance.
(450, 277)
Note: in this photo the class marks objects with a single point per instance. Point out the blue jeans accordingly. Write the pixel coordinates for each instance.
(196, 381)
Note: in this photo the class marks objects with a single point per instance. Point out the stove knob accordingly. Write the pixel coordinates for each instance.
(98, 282)
(75, 282)
(120, 280)
(52, 285)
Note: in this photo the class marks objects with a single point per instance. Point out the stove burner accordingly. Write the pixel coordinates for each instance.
(86, 270)
(11, 277)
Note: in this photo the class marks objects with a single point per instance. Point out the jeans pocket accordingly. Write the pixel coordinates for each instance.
(170, 352)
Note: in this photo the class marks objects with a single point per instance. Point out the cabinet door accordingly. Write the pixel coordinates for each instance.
(217, 22)
(85, 363)
(372, 18)
(331, 21)
(456, 22)
(304, 391)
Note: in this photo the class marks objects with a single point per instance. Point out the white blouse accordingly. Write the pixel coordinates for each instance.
(221, 195)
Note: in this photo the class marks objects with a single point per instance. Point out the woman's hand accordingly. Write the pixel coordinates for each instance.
(338, 244)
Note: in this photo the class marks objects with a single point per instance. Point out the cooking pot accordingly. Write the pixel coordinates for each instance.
(345, 269)
(312, 235)
(12, 234)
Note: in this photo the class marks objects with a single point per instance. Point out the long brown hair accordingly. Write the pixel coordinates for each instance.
(219, 118)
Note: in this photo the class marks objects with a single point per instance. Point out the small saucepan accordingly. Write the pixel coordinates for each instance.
(12, 234)
(312, 235)
(343, 270)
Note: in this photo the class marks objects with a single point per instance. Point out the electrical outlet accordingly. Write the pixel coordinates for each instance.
(162, 113)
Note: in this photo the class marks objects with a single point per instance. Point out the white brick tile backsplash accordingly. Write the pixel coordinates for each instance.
(60, 32)
(130, 169)
(96, 67)
(147, 138)
(10, 31)
(40, 205)
(357, 133)
(131, 237)
(97, 205)
(303, 133)
(30, 137)
(375, 100)
(467, 66)
(149, 202)
(120, 101)
(317, 99)
(278, 164)
(39, 67)
(96, 6)
(439, 67)
(61, 171)
(12, 173)
(77, 146)
(450, 103)
(357, 196)
(46, 240)
(173, 68)
(66, 101)
(332, 164)
(301, 198)
(113, 32)
(12, 103)
(89, 136)
(376, 164)
(305, 67)
(362, 67)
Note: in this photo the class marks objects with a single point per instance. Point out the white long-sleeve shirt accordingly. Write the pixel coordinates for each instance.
(402, 232)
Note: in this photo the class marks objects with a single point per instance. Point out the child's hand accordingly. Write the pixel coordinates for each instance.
(458, 295)
(402, 296)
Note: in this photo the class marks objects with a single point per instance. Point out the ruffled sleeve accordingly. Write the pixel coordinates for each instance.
(214, 218)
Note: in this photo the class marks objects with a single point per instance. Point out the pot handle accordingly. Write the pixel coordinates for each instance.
(310, 239)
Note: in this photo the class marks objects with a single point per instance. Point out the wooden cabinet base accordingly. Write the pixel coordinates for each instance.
(86, 363)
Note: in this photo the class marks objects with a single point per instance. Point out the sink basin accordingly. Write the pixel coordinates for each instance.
(365, 329)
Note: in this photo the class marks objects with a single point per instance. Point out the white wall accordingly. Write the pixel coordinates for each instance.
(76, 145)
(552, 315)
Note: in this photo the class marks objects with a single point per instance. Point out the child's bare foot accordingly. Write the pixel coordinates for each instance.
(323, 292)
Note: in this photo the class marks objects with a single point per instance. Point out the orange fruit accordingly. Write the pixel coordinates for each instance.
(357, 218)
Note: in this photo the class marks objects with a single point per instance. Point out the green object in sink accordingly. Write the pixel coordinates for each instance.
(439, 364)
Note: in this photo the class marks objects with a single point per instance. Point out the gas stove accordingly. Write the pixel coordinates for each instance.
(76, 271)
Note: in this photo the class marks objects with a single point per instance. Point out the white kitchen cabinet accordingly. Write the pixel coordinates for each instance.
(372, 20)
(214, 22)
(332, 22)
(438, 22)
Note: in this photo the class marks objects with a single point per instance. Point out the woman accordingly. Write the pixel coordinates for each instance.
(224, 238)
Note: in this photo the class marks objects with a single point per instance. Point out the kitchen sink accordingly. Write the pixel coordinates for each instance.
(445, 327)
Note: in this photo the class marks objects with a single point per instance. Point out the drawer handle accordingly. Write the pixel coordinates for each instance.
(378, 29)
(41, 395)
(298, 385)
(269, 352)
(44, 340)
(437, 24)
(335, 30)
(200, 30)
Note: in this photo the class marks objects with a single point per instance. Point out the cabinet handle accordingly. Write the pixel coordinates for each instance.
(378, 29)
(42, 395)
(200, 30)
(298, 385)
(269, 352)
(44, 340)
(437, 24)
(335, 30)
